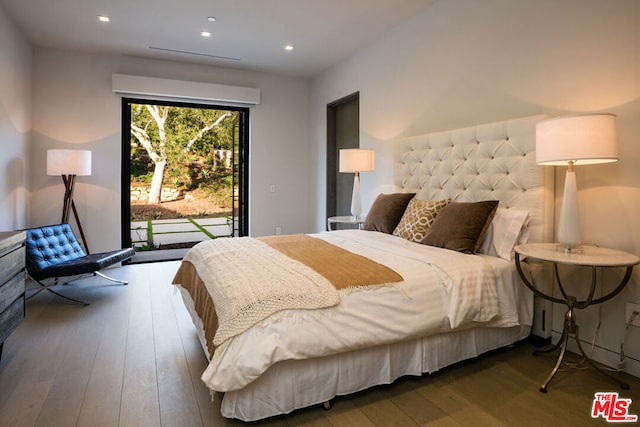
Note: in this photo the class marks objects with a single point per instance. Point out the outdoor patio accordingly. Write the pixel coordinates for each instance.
(171, 232)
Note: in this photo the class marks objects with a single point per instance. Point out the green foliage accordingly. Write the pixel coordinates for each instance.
(141, 167)
(183, 136)
(188, 151)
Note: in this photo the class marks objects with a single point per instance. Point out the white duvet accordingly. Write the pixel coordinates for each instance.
(442, 290)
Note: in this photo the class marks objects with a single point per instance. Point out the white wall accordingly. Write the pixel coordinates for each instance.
(74, 107)
(465, 62)
(461, 62)
(15, 122)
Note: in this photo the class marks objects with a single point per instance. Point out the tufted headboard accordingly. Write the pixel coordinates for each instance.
(494, 161)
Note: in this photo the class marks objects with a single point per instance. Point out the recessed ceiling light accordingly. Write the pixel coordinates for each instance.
(289, 47)
(205, 34)
(211, 18)
(103, 18)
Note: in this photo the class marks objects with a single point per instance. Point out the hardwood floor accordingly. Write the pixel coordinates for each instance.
(132, 358)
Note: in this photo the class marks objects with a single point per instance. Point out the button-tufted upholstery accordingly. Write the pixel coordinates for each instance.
(53, 251)
(494, 161)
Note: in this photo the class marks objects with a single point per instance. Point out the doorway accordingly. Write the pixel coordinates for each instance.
(184, 176)
(343, 131)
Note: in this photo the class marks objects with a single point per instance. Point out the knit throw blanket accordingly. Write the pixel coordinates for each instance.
(250, 279)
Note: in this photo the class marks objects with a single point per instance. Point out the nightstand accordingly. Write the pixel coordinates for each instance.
(351, 220)
(12, 283)
(587, 256)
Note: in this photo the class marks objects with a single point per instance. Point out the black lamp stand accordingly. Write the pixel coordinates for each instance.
(69, 205)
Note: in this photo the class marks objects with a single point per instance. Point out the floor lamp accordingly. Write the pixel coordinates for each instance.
(581, 139)
(356, 160)
(69, 164)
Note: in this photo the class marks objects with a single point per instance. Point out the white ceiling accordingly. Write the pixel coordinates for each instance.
(251, 34)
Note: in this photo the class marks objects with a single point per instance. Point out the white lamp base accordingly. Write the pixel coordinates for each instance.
(356, 204)
(569, 234)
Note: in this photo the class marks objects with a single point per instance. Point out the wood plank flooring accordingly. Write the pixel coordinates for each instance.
(132, 358)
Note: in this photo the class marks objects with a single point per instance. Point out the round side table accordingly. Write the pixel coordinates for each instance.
(587, 256)
(352, 220)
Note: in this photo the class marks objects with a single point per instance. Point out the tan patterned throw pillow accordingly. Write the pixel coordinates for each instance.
(417, 218)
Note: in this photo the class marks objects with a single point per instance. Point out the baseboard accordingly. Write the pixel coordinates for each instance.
(143, 257)
(602, 355)
(538, 341)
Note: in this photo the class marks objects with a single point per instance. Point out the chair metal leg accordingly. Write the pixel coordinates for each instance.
(48, 288)
(45, 287)
(123, 282)
(66, 297)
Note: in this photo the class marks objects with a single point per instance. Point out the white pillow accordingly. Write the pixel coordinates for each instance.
(507, 230)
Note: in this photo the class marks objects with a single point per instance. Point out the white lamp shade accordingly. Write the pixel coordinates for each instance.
(69, 162)
(357, 160)
(584, 139)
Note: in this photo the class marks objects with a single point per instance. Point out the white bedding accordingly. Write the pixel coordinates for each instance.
(484, 162)
(249, 280)
(296, 384)
(462, 291)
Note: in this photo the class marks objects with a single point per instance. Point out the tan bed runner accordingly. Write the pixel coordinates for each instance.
(188, 278)
(342, 268)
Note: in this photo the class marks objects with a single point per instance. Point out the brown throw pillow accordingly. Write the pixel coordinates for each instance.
(460, 226)
(386, 211)
(417, 219)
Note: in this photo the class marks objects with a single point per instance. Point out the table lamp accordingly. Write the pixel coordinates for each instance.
(581, 139)
(69, 164)
(356, 160)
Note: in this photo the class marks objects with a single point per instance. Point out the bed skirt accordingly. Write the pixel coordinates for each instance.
(295, 384)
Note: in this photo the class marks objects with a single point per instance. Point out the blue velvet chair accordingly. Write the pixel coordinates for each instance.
(53, 251)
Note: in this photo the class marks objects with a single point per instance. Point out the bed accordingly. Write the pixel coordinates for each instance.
(451, 299)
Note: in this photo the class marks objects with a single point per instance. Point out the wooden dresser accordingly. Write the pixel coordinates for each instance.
(12, 282)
